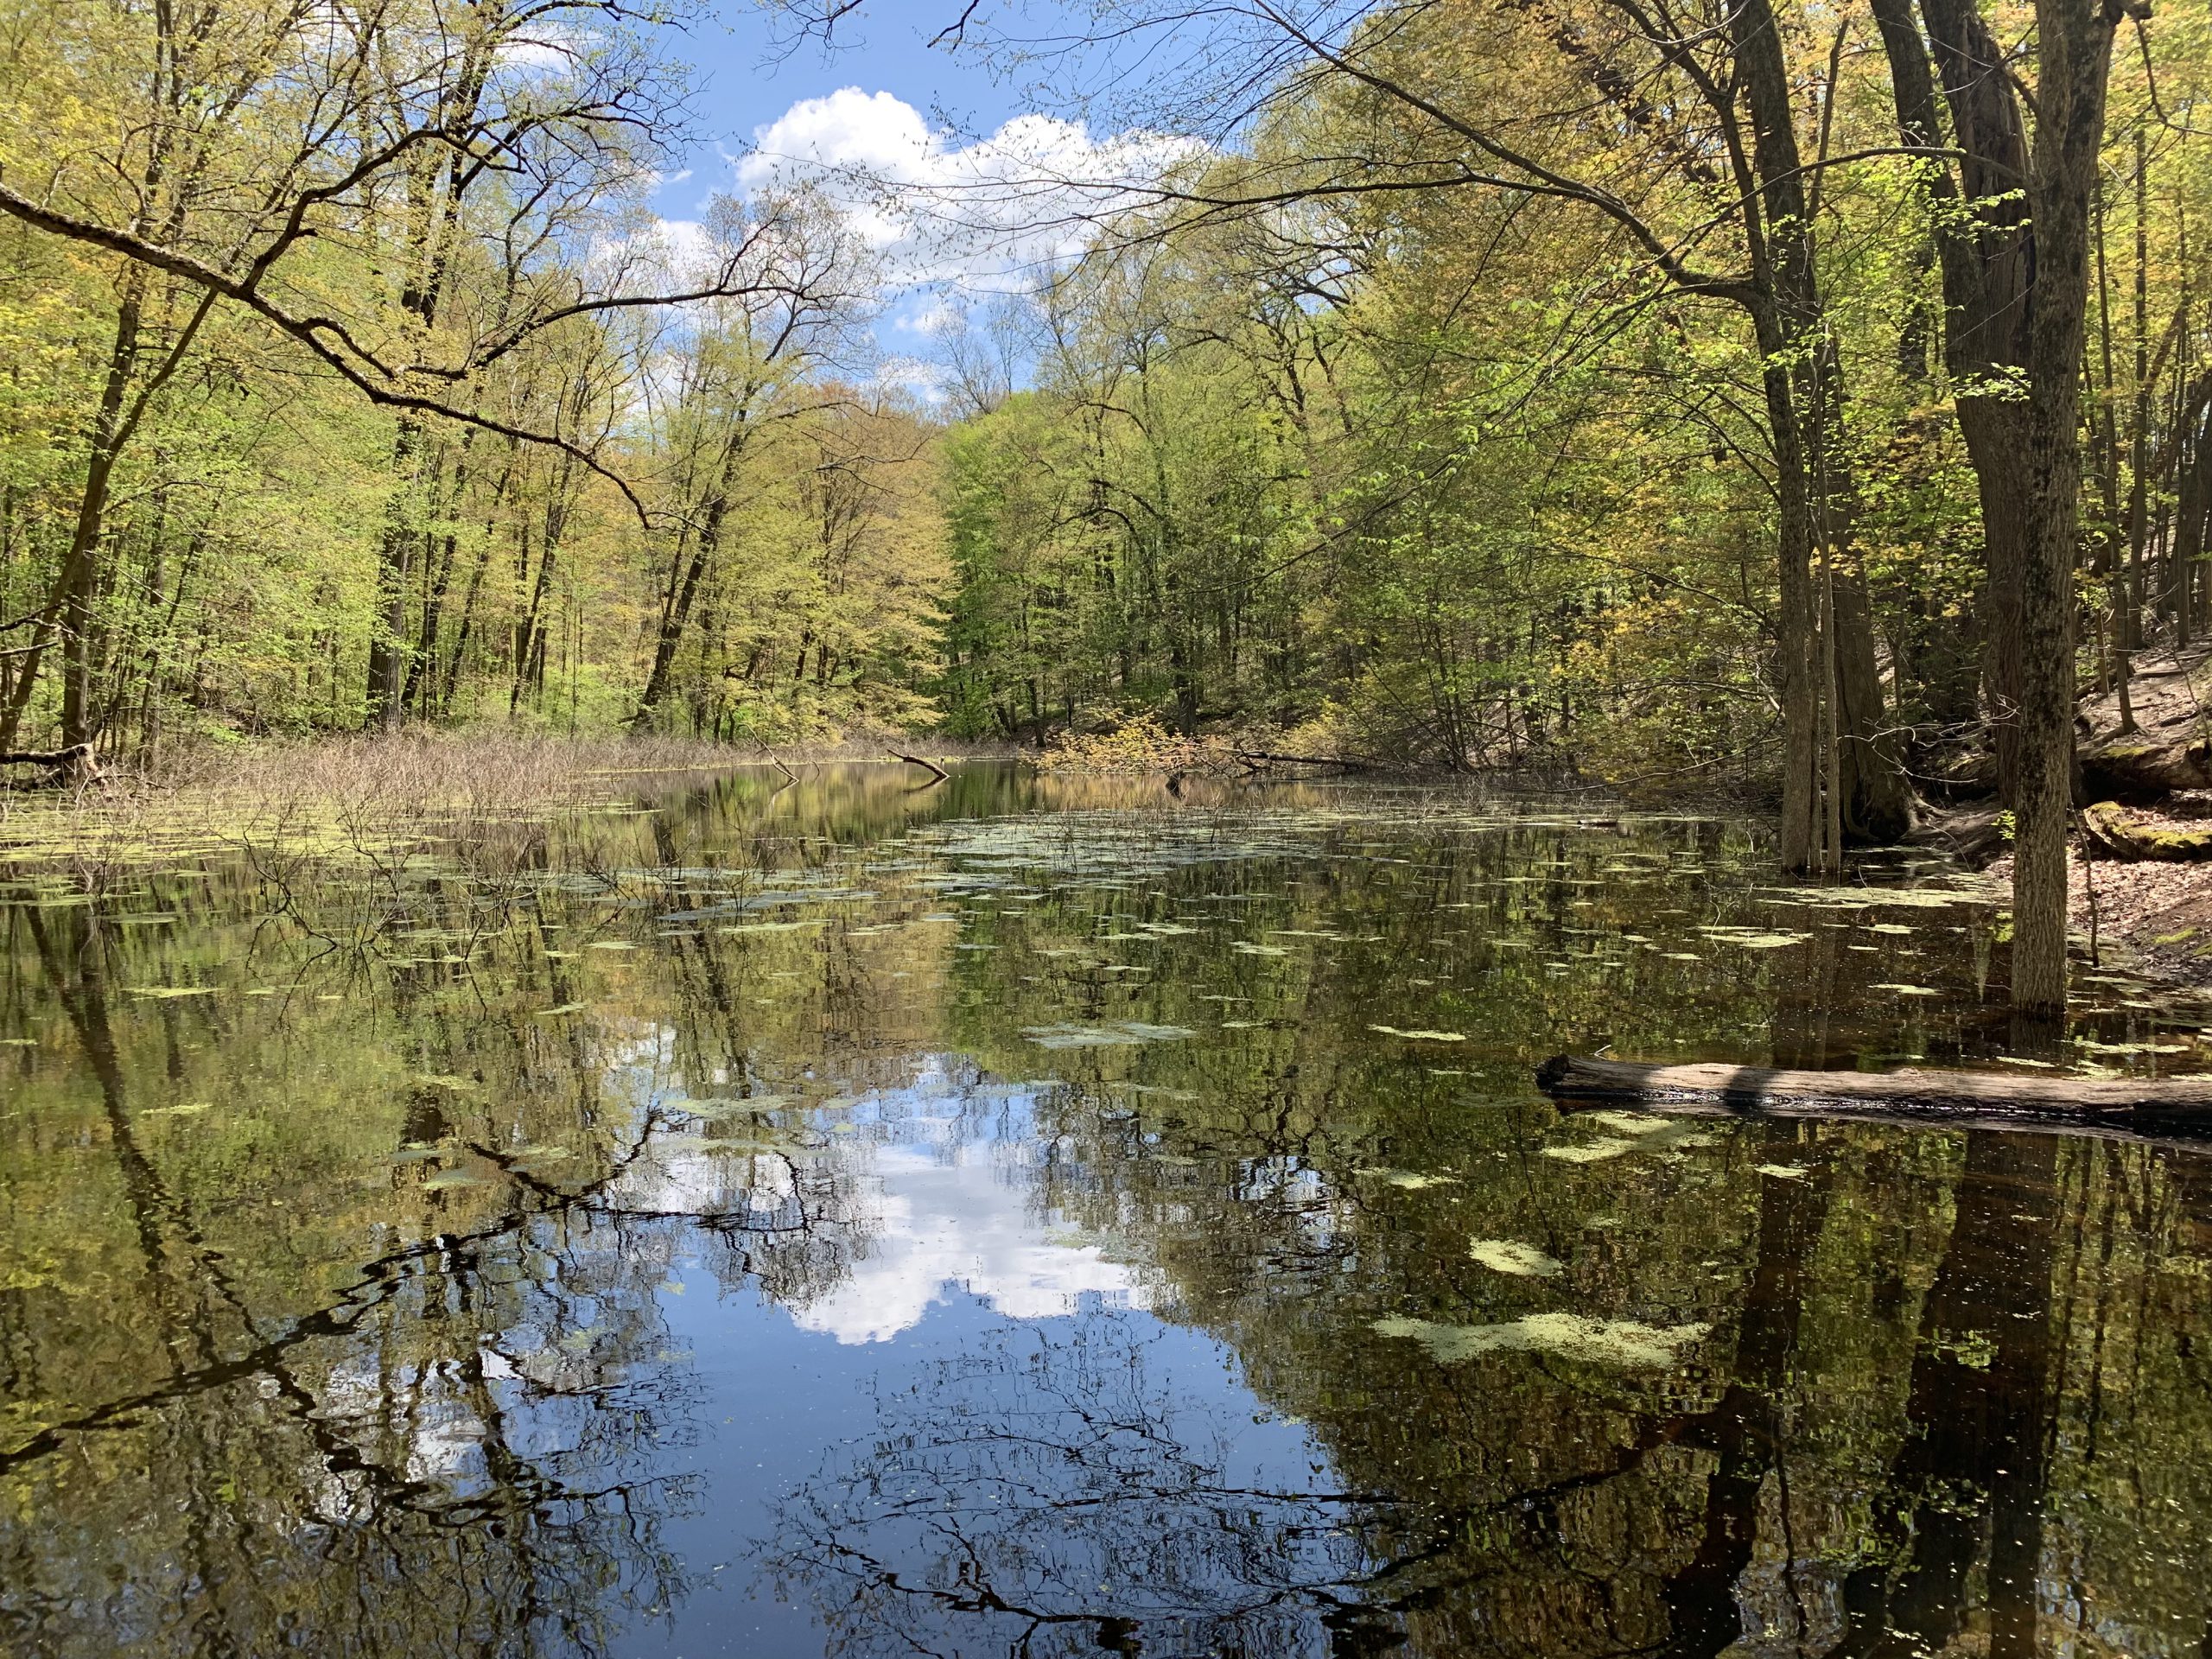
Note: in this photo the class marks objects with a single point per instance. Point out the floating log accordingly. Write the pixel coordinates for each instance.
(2155, 1108)
(917, 760)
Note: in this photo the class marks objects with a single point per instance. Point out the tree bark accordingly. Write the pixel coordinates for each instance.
(1984, 250)
(2074, 44)
(2016, 269)
(1828, 661)
(1785, 322)
(388, 647)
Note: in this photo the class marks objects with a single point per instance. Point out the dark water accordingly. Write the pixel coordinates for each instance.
(1020, 1219)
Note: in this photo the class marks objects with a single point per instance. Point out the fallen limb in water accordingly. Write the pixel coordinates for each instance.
(2134, 1106)
(917, 760)
(1255, 760)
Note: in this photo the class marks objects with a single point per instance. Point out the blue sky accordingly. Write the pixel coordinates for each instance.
(934, 123)
(883, 46)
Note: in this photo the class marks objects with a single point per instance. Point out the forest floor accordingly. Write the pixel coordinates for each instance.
(2160, 915)
(2157, 916)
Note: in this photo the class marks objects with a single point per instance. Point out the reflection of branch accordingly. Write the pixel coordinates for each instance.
(378, 1280)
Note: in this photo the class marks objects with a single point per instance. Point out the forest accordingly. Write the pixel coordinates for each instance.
(1798, 400)
(1343, 827)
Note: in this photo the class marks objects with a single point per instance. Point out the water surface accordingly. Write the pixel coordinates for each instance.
(1044, 1218)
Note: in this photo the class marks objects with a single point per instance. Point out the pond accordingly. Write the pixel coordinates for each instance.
(1048, 1218)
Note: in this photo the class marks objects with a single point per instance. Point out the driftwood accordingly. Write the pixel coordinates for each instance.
(917, 760)
(2156, 1108)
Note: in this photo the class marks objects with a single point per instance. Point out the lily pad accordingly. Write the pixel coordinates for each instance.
(1511, 1255)
(1595, 1151)
(1104, 1036)
(1570, 1336)
(1411, 1180)
(1752, 938)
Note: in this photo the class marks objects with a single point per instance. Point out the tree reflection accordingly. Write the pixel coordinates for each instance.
(333, 1307)
(464, 1451)
(1053, 1491)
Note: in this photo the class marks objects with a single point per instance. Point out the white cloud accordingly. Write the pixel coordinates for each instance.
(915, 376)
(982, 216)
(961, 1222)
(942, 1208)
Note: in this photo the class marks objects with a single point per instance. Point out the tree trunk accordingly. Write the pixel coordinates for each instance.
(1984, 250)
(1784, 321)
(1878, 803)
(1828, 664)
(2075, 48)
(68, 610)
(2016, 274)
(675, 615)
(388, 652)
(1995, 435)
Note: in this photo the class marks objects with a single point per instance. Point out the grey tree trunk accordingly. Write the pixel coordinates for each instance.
(2076, 45)
(2017, 292)
(1984, 250)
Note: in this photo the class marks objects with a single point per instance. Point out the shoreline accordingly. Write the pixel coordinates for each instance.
(2155, 915)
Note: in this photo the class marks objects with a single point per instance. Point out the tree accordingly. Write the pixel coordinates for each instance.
(2013, 230)
(408, 196)
(738, 367)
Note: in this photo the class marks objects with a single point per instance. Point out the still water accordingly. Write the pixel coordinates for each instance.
(1022, 1217)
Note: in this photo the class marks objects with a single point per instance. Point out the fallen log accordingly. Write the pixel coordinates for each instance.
(2146, 767)
(2165, 745)
(2134, 837)
(2153, 1108)
(77, 761)
(1255, 758)
(917, 760)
